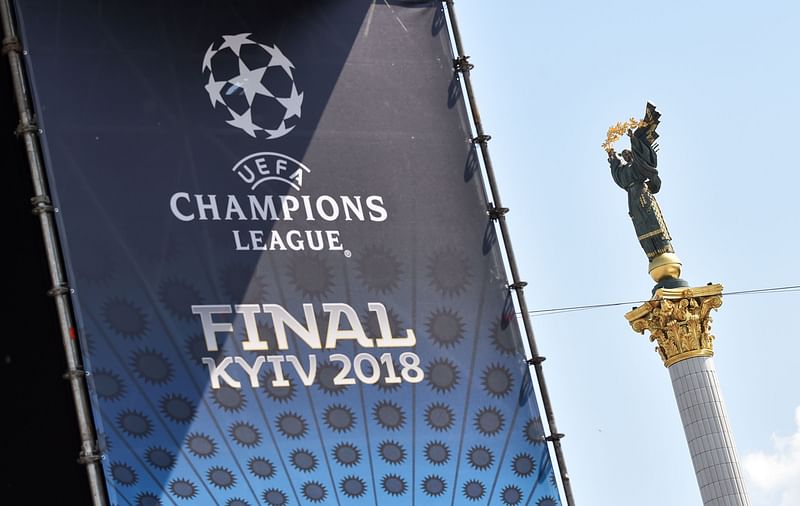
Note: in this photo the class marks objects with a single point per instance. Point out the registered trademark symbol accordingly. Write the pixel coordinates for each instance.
(347, 253)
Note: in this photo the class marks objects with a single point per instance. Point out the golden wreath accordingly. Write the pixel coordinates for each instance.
(617, 130)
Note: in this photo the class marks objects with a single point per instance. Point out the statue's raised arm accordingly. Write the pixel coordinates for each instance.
(636, 173)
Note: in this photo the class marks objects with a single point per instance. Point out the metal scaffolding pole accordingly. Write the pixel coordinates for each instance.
(498, 212)
(43, 208)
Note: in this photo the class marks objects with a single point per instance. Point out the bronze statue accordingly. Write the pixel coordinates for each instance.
(636, 173)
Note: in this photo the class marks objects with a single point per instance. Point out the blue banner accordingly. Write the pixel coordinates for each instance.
(287, 286)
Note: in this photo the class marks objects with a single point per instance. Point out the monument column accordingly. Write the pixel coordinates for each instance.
(677, 317)
(679, 322)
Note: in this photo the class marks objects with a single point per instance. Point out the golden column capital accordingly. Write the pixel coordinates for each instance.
(679, 321)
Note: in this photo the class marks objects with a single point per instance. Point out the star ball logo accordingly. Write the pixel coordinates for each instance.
(254, 85)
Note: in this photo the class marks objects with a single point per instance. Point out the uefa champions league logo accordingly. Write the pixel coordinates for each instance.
(251, 85)
(254, 85)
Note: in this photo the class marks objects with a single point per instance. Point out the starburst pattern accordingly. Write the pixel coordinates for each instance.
(228, 398)
(261, 467)
(497, 380)
(434, 485)
(480, 457)
(125, 318)
(245, 434)
(394, 485)
(303, 460)
(506, 339)
(178, 296)
(449, 272)
(511, 495)
(523, 465)
(439, 417)
(379, 269)
(160, 458)
(442, 375)
(147, 499)
(152, 366)
(183, 489)
(108, 385)
(474, 490)
(389, 415)
(311, 276)
(489, 421)
(123, 474)
(392, 452)
(346, 454)
(279, 394)
(177, 408)
(201, 445)
(326, 372)
(314, 491)
(437, 453)
(353, 486)
(275, 497)
(534, 431)
(291, 425)
(134, 423)
(339, 417)
(221, 477)
(446, 328)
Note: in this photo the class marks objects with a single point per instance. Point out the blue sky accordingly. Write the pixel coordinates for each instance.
(550, 77)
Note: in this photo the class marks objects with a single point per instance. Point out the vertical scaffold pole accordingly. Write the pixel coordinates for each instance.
(498, 212)
(43, 208)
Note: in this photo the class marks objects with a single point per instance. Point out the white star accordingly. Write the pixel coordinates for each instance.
(278, 59)
(235, 42)
(292, 104)
(214, 88)
(207, 58)
(243, 122)
(250, 82)
(278, 132)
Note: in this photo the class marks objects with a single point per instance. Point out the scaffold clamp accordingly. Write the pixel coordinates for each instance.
(75, 373)
(30, 128)
(495, 212)
(462, 64)
(89, 457)
(536, 360)
(41, 204)
(58, 290)
(11, 44)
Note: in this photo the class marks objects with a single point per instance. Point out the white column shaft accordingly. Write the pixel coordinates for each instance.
(708, 433)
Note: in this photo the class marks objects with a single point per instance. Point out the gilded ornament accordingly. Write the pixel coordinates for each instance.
(617, 130)
(679, 321)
